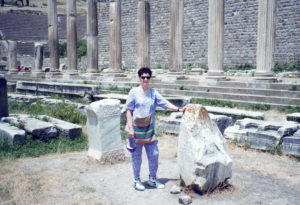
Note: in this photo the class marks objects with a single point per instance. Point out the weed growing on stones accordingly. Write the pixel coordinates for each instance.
(277, 150)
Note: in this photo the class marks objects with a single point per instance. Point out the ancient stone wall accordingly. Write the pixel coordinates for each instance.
(240, 32)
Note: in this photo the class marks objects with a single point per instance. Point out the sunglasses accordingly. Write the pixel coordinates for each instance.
(145, 77)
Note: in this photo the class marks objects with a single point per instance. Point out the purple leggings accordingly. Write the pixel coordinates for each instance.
(136, 157)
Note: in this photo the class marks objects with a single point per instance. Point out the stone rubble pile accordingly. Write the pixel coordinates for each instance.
(42, 127)
(266, 135)
(202, 157)
(172, 123)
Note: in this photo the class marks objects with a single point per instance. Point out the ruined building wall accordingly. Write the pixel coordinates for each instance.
(240, 32)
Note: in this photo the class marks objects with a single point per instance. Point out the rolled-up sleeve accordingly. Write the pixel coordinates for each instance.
(161, 101)
(130, 101)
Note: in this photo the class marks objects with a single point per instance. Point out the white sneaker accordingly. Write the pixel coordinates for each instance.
(138, 185)
(153, 182)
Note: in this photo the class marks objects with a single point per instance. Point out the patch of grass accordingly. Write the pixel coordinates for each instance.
(115, 89)
(36, 147)
(277, 150)
(61, 111)
(183, 88)
(123, 131)
(287, 67)
(289, 109)
(297, 157)
(64, 98)
(224, 103)
(20, 124)
(5, 193)
(162, 113)
(87, 189)
(293, 88)
(81, 48)
(245, 66)
(246, 145)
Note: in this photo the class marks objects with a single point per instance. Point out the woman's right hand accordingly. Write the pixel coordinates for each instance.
(131, 133)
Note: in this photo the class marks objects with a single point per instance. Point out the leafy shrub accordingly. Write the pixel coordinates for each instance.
(289, 109)
(81, 49)
(288, 67)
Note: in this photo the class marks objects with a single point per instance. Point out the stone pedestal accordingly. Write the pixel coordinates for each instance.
(92, 37)
(12, 57)
(115, 37)
(176, 35)
(143, 34)
(265, 38)
(71, 37)
(3, 97)
(53, 35)
(38, 61)
(103, 124)
(216, 38)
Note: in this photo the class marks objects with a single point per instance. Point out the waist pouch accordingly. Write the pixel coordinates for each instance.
(144, 130)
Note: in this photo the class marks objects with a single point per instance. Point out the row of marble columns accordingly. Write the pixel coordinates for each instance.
(265, 37)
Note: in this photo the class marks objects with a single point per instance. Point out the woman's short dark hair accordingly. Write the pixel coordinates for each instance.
(144, 70)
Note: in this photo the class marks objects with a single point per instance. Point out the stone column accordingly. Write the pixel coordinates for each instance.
(265, 37)
(92, 37)
(176, 36)
(143, 34)
(216, 38)
(38, 54)
(103, 125)
(3, 97)
(12, 57)
(115, 37)
(71, 37)
(53, 35)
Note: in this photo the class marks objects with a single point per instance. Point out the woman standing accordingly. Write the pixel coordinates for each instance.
(140, 106)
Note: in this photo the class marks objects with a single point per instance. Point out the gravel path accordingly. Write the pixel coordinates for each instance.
(73, 178)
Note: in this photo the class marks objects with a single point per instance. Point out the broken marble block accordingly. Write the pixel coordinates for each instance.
(291, 145)
(37, 128)
(260, 134)
(13, 134)
(293, 117)
(65, 129)
(202, 157)
(103, 125)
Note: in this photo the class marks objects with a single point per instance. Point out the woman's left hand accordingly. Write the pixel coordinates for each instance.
(183, 109)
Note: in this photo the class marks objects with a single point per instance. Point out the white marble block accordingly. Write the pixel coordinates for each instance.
(202, 157)
(103, 124)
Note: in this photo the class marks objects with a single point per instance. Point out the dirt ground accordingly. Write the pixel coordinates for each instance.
(73, 178)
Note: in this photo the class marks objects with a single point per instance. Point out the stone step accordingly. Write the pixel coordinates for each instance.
(231, 97)
(56, 88)
(210, 88)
